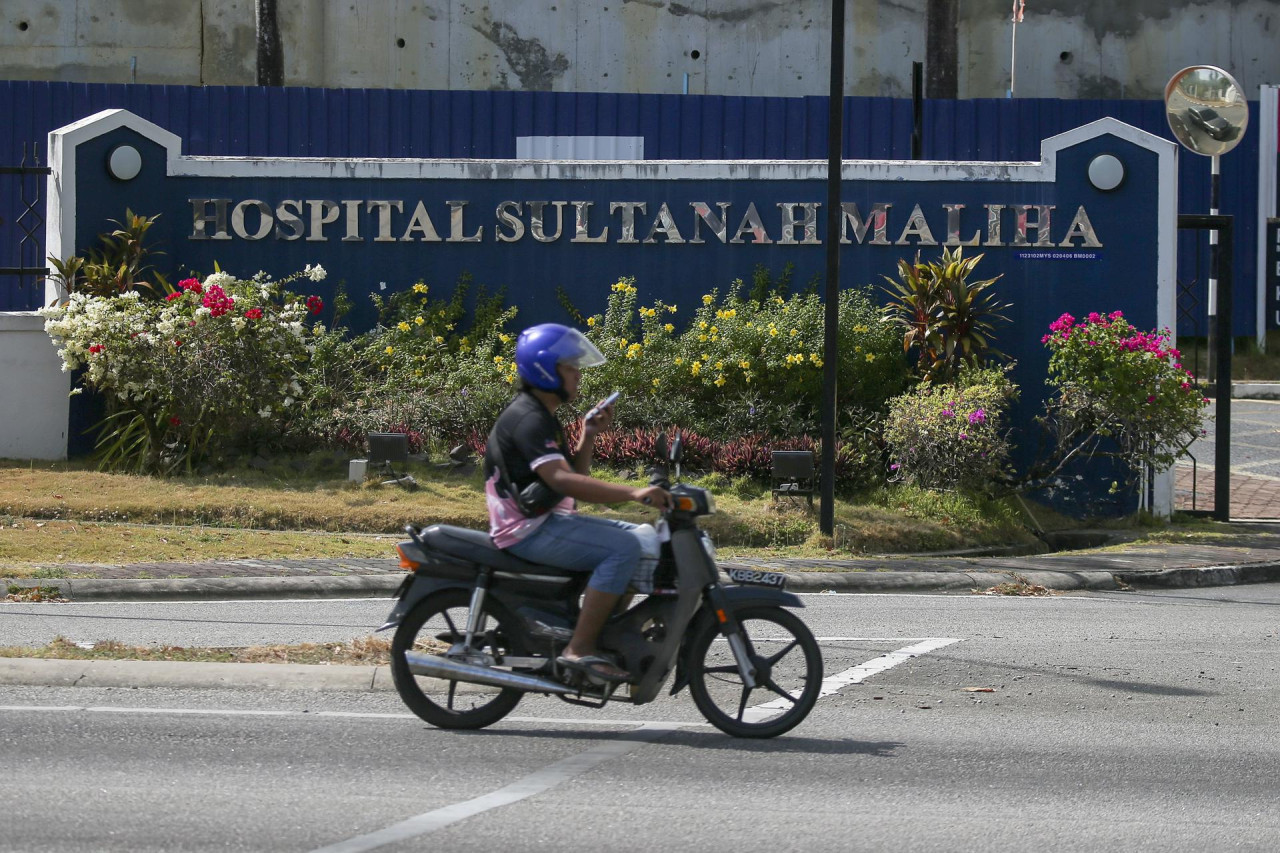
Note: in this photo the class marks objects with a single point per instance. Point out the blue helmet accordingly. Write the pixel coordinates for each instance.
(540, 348)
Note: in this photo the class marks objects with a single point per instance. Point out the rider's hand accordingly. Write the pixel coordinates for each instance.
(654, 496)
(601, 421)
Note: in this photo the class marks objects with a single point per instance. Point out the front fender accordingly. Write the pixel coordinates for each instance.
(415, 588)
(736, 596)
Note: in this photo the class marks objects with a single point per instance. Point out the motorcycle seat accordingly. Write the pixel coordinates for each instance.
(475, 546)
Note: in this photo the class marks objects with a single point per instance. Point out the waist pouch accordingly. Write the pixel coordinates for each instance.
(537, 499)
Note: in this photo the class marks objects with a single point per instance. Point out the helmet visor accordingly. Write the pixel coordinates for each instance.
(574, 348)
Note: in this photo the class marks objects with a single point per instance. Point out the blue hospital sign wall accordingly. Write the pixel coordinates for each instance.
(1090, 227)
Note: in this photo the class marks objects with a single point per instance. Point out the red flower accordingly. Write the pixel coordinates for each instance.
(177, 343)
(191, 284)
(96, 348)
(177, 294)
(175, 421)
(315, 304)
(253, 314)
(217, 301)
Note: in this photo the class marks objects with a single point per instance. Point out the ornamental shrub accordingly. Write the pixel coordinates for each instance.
(188, 376)
(952, 435)
(734, 366)
(1115, 382)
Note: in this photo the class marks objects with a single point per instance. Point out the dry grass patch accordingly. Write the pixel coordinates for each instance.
(29, 547)
(370, 651)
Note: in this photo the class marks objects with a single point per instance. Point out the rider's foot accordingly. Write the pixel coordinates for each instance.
(593, 665)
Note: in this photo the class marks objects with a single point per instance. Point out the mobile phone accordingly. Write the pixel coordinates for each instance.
(608, 401)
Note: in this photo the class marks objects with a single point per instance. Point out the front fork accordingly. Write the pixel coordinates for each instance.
(475, 616)
(731, 629)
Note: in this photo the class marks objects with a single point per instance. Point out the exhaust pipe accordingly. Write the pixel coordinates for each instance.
(432, 666)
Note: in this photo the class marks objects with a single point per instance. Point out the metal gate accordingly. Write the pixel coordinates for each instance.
(22, 263)
(1199, 491)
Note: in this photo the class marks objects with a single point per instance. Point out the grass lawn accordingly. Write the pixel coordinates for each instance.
(65, 512)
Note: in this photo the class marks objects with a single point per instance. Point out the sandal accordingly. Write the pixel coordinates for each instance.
(592, 666)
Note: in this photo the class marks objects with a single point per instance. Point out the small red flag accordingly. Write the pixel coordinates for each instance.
(1019, 6)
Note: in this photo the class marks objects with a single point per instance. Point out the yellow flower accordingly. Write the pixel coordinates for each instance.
(439, 339)
(860, 328)
(707, 299)
(695, 368)
(417, 372)
(871, 356)
(702, 339)
(720, 380)
(506, 339)
(656, 382)
(702, 324)
(773, 333)
(714, 330)
(402, 326)
(418, 320)
(419, 288)
(715, 338)
(706, 357)
(795, 332)
(778, 300)
(679, 360)
(671, 308)
(390, 350)
(622, 343)
(744, 364)
(449, 328)
(857, 349)
(668, 328)
(497, 359)
(591, 321)
(719, 365)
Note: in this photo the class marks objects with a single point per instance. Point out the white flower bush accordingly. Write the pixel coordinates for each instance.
(187, 375)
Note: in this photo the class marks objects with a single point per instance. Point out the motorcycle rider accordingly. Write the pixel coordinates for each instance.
(529, 443)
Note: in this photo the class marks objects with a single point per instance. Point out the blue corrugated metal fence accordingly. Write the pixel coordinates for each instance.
(286, 122)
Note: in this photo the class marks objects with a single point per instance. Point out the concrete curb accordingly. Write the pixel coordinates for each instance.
(132, 589)
(384, 585)
(1181, 578)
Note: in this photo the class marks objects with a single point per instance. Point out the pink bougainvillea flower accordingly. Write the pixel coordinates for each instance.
(1151, 398)
(977, 416)
(315, 304)
(217, 301)
(177, 294)
(253, 314)
(191, 284)
(96, 348)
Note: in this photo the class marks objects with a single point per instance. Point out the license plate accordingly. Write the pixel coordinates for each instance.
(758, 578)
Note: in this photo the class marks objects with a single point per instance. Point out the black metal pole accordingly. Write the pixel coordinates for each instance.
(1215, 185)
(830, 340)
(917, 110)
(1222, 402)
(270, 54)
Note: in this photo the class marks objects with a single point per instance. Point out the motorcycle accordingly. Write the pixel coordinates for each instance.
(476, 628)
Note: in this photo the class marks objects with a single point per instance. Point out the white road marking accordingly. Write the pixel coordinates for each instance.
(531, 785)
(854, 675)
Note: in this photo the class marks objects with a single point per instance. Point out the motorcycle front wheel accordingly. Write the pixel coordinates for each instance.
(436, 625)
(788, 667)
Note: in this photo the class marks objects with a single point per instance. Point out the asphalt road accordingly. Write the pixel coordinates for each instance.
(1118, 721)
(1255, 439)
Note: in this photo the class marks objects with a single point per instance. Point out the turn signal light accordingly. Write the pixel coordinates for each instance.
(685, 504)
(405, 563)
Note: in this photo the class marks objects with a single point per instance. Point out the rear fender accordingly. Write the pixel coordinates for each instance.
(736, 597)
(415, 588)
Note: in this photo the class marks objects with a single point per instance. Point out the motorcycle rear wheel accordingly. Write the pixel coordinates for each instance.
(788, 662)
(436, 623)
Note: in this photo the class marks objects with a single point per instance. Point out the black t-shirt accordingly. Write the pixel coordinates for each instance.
(528, 435)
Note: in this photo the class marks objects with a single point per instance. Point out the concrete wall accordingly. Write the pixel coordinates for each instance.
(34, 406)
(1066, 48)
